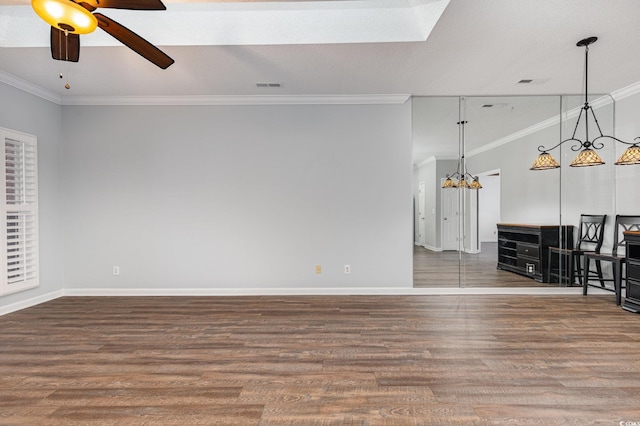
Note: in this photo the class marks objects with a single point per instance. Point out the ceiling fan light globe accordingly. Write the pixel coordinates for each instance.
(82, 20)
(54, 9)
(65, 15)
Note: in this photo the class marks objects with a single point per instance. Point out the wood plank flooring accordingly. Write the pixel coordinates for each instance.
(321, 360)
(441, 269)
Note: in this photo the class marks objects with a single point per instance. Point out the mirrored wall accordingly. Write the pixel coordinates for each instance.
(501, 235)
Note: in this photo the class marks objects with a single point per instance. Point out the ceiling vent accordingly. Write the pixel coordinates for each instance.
(269, 85)
(532, 81)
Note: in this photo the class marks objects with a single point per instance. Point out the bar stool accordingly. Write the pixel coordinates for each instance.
(623, 223)
(590, 235)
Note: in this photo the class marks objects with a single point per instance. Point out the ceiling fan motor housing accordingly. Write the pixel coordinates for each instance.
(69, 19)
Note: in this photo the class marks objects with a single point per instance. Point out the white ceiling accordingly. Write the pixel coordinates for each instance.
(337, 48)
(251, 23)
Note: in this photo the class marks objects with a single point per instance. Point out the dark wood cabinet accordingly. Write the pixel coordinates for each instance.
(632, 298)
(524, 249)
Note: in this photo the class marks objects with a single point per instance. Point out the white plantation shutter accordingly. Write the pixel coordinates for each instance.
(19, 250)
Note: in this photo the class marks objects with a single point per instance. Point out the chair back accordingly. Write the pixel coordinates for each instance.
(591, 232)
(623, 223)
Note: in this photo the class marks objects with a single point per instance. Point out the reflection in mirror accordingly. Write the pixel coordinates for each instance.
(520, 215)
(501, 138)
(516, 215)
(436, 212)
(603, 189)
(587, 193)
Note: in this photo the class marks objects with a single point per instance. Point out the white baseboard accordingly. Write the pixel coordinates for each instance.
(23, 304)
(335, 291)
(470, 251)
(428, 247)
(238, 291)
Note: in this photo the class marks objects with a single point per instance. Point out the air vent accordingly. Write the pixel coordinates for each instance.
(269, 85)
(532, 81)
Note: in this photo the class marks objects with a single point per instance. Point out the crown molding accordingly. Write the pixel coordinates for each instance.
(625, 92)
(236, 100)
(28, 87)
(435, 159)
(424, 162)
(615, 96)
(48, 95)
(520, 134)
(274, 100)
(446, 157)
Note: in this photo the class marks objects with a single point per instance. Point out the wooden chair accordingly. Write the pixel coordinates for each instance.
(617, 260)
(590, 236)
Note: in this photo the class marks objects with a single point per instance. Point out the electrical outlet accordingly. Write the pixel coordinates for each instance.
(531, 268)
(347, 269)
(318, 269)
(116, 270)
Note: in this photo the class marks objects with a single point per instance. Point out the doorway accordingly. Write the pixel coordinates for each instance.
(450, 216)
(421, 213)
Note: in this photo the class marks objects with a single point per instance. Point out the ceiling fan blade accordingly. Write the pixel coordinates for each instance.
(65, 47)
(123, 4)
(134, 41)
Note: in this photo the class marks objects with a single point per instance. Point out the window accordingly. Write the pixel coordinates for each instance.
(19, 228)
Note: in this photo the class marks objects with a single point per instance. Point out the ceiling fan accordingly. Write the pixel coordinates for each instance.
(70, 18)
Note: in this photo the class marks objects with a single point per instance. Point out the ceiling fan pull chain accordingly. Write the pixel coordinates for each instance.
(66, 45)
(66, 55)
(60, 43)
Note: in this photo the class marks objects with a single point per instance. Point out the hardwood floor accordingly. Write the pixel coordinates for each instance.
(441, 269)
(321, 360)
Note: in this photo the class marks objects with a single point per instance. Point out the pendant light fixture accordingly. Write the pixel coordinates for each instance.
(587, 155)
(461, 178)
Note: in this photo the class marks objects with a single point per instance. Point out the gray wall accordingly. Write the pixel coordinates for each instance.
(27, 113)
(627, 114)
(525, 196)
(426, 174)
(237, 197)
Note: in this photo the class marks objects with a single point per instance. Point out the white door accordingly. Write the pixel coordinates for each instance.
(450, 214)
(421, 213)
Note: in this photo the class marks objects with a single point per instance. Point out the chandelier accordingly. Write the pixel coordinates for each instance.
(587, 155)
(461, 178)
